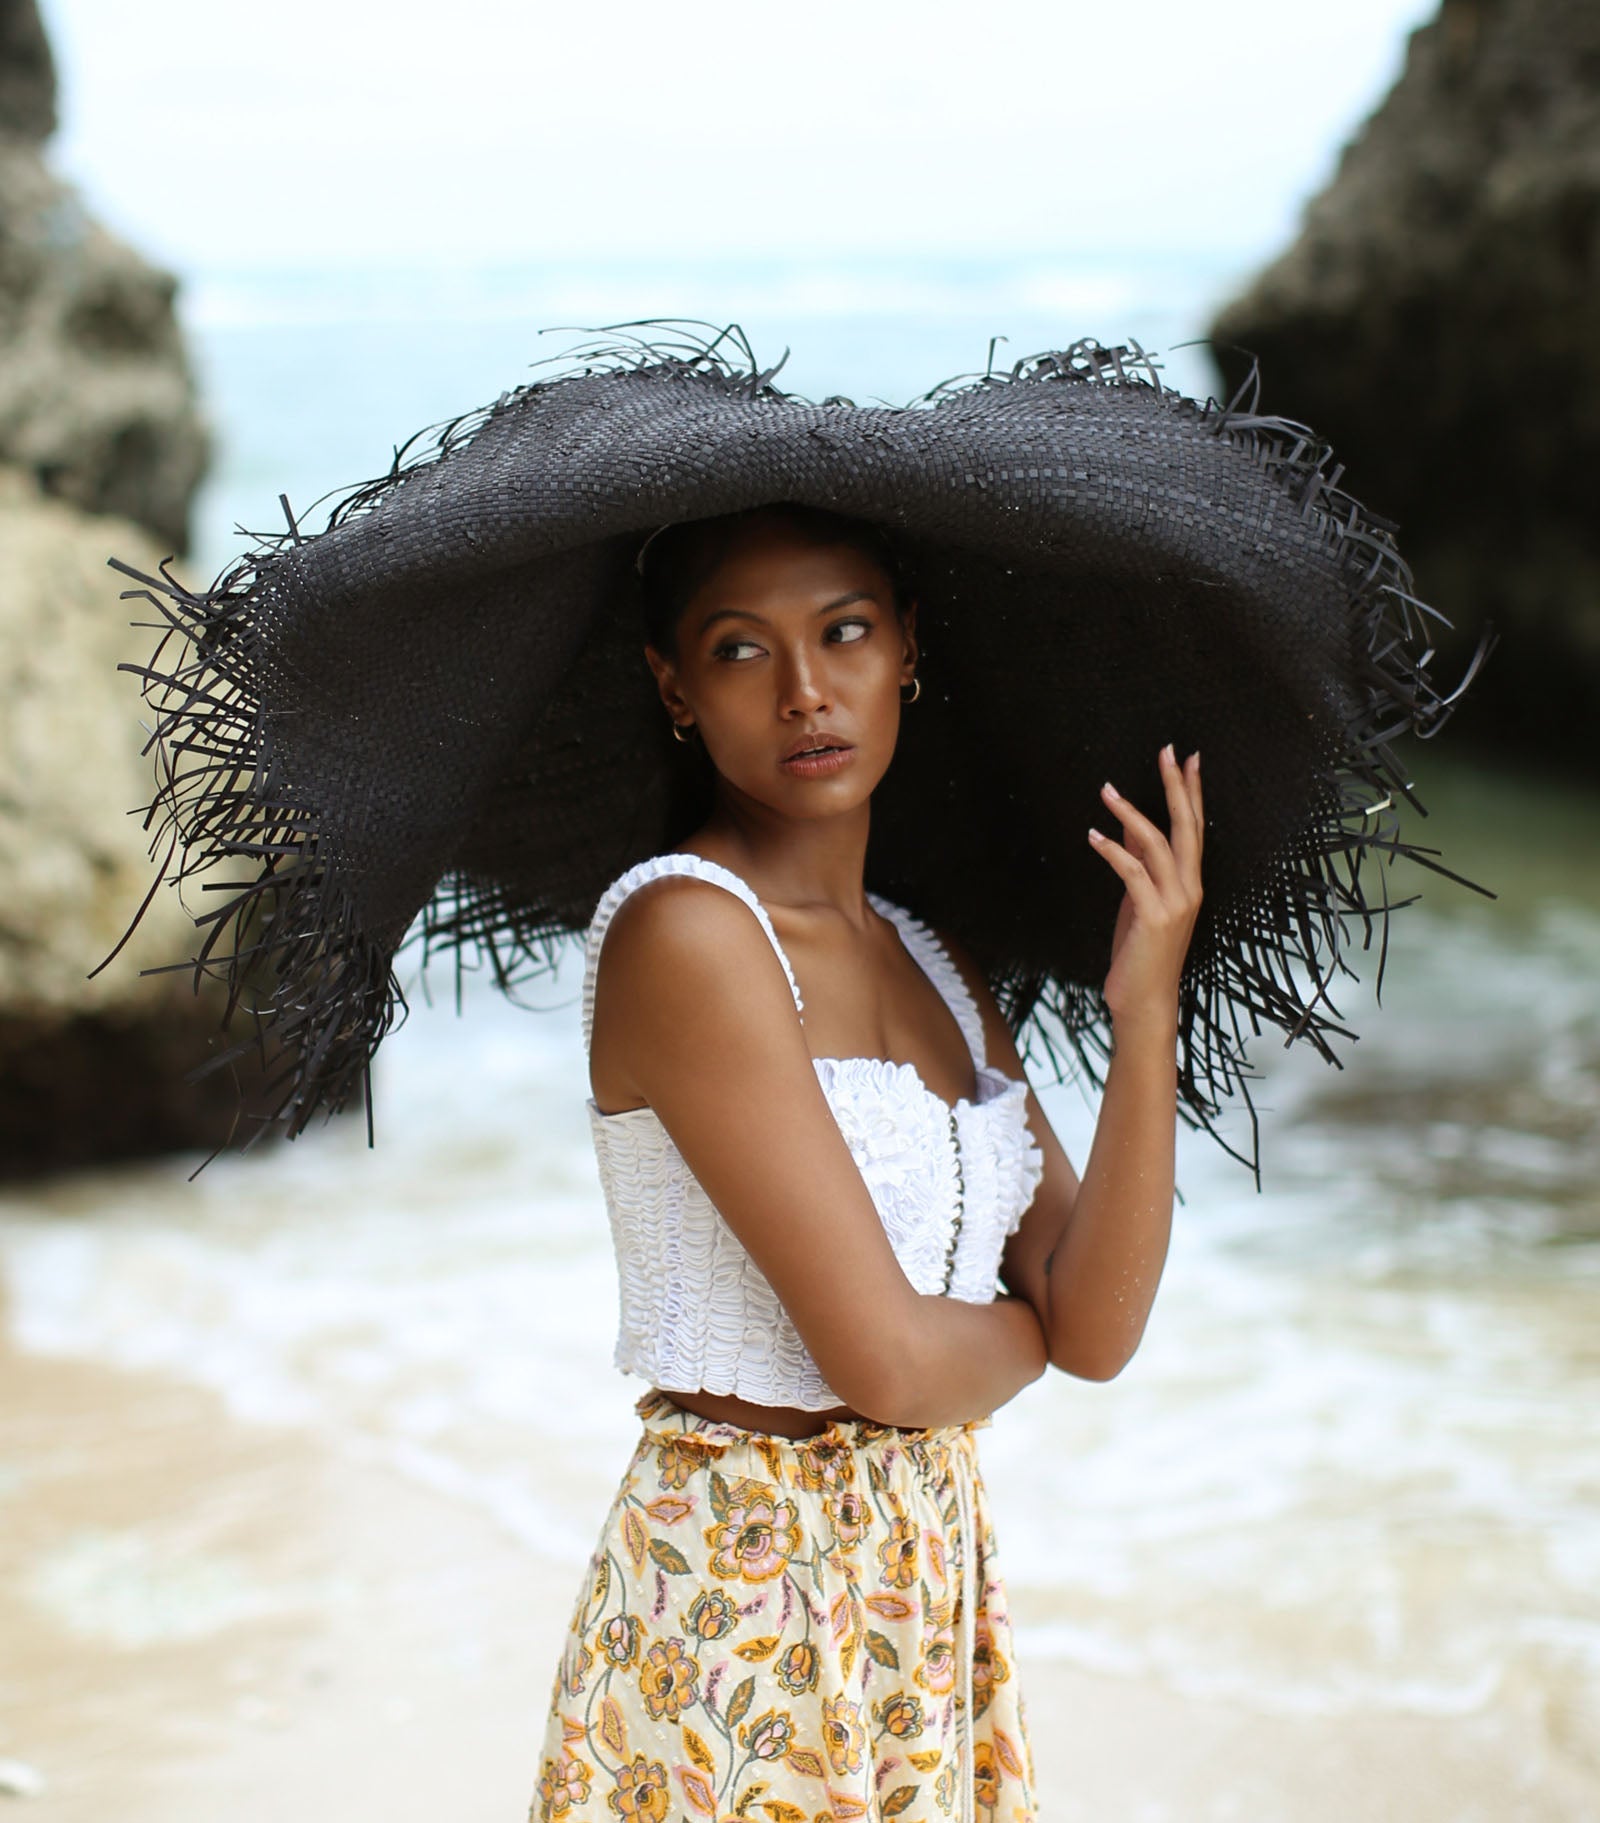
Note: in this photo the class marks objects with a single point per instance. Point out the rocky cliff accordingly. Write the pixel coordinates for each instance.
(101, 447)
(97, 400)
(27, 74)
(1436, 321)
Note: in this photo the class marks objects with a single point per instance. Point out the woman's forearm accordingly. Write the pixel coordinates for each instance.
(1101, 1279)
(1089, 1256)
(962, 1361)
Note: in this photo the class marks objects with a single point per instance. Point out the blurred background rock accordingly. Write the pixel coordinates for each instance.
(102, 445)
(1438, 321)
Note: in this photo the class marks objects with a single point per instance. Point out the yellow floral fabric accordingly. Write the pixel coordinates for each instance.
(791, 1632)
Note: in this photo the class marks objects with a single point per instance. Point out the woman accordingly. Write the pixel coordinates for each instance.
(429, 720)
(795, 1601)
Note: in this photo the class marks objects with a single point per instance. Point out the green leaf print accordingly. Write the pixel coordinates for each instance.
(719, 1497)
(882, 1650)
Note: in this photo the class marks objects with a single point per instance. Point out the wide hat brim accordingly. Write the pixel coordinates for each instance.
(434, 717)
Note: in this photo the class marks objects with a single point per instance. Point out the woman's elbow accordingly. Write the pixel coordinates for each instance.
(1099, 1364)
(877, 1384)
(885, 1371)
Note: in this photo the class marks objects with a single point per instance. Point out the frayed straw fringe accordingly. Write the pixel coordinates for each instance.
(320, 994)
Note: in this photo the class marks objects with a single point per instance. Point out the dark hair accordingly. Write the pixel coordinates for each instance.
(680, 558)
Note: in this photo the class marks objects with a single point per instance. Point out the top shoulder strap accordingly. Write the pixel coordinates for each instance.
(655, 868)
(934, 960)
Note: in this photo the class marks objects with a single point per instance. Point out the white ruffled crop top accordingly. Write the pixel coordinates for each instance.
(950, 1184)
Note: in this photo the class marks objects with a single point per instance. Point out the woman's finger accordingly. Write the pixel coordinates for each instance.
(1144, 838)
(1185, 841)
(1141, 888)
(1191, 773)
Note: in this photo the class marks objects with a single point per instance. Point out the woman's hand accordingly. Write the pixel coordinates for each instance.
(1157, 916)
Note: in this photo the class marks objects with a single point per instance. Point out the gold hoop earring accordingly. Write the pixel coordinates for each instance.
(916, 690)
(679, 735)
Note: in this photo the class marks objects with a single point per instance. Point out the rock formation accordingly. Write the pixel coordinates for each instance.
(27, 74)
(97, 418)
(89, 1069)
(1436, 321)
(96, 396)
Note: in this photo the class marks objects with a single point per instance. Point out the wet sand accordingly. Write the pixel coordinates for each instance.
(205, 1619)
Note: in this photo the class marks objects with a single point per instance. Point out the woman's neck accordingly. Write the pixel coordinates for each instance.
(805, 865)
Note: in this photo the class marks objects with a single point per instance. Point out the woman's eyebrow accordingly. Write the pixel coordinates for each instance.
(840, 601)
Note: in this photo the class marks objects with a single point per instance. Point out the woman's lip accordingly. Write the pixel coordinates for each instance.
(830, 759)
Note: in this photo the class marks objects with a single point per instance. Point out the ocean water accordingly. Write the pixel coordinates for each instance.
(312, 379)
(1354, 1468)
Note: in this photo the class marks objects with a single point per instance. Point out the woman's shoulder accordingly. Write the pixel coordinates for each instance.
(678, 915)
(686, 930)
(686, 977)
(673, 873)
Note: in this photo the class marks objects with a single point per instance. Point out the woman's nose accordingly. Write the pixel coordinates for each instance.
(803, 689)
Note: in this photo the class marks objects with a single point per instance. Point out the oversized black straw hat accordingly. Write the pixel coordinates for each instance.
(434, 715)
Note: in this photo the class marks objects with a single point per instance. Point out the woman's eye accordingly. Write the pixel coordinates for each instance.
(841, 632)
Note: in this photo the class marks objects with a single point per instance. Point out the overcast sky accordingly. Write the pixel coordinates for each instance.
(216, 134)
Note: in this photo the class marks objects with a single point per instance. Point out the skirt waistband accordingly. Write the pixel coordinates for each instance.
(802, 1460)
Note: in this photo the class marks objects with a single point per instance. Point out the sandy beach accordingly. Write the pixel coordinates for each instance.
(205, 1618)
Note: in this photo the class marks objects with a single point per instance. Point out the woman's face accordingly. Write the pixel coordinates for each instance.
(791, 644)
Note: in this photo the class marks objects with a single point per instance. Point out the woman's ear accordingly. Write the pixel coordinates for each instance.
(665, 673)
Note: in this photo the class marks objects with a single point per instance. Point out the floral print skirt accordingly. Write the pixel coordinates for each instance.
(790, 1631)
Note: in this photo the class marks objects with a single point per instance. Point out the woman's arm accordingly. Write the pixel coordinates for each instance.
(706, 1032)
(1089, 1255)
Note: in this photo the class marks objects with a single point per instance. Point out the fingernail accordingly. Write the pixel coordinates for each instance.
(1167, 750)
(1094, 834)
(1108, 786)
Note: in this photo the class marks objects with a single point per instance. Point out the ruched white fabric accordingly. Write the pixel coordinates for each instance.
(696, 1312)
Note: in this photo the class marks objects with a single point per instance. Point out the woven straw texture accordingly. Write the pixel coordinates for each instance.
(434, 714)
